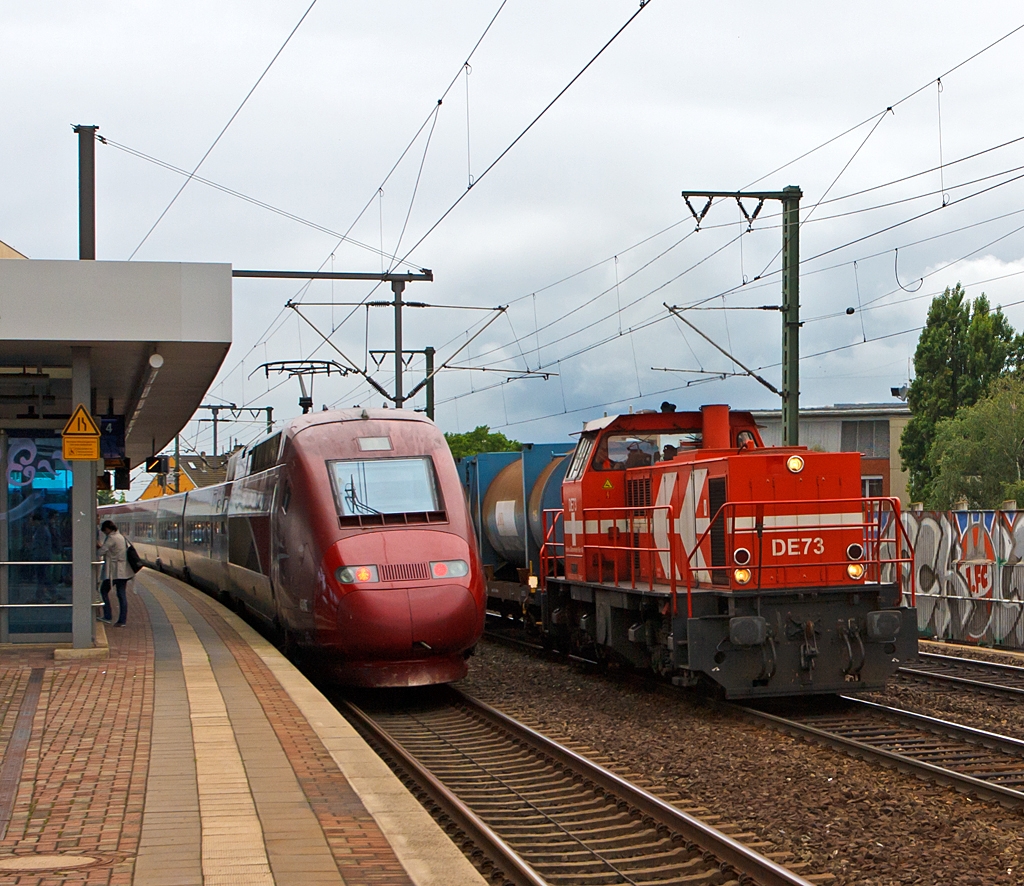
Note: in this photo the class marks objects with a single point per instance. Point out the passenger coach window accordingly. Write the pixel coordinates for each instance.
(384, 486)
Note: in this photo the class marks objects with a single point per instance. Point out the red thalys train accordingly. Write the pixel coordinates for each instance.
(347, 532)
(686, 546)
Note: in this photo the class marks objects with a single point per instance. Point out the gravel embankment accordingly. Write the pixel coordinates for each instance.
(862, 823)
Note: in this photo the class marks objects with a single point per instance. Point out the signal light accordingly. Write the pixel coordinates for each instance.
(449, 568)
(855, 571)
(795, 464)
(855, 551)
(741, 556)
(742, 576)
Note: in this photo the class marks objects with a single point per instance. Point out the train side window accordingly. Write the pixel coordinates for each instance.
(580, 458)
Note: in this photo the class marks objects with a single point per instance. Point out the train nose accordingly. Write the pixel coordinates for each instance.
(407, 622)
(385, 604)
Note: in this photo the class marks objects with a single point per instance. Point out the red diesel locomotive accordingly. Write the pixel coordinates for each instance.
(347, 532)
(686, 546)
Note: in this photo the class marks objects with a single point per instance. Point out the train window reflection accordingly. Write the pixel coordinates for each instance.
(384, 486)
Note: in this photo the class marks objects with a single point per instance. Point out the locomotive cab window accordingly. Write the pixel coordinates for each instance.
(386, 490)
(579, 457)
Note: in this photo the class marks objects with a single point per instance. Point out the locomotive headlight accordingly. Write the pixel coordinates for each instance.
(741, 556)
(741, 576)
(449, 568)
(855, 571)
(795, 464)
(854, 551)
(356, 575)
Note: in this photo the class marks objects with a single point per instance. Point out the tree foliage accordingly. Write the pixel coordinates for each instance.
(480, 440)
(979, 454)
(962, 349)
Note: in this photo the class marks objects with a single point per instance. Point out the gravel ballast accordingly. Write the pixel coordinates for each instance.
(860, 822)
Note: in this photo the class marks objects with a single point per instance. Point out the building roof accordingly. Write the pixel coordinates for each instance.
(839, 410)
(9, 251)
(157, 333)
(205, 470)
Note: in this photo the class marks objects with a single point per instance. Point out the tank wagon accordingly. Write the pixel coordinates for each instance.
(683, 545)
(346, 533)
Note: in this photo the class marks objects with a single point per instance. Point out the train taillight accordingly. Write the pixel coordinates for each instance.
(449, 568)
(356, 575)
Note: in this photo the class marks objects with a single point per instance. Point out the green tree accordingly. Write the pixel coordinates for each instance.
(104, 497)
(480, 440)
(979, 454)
(961, 350)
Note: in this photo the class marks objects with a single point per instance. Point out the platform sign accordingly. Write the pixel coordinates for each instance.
(112, 439)
(80, 438)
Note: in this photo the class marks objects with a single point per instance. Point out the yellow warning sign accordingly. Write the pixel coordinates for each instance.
(80, 448)
(80, 439)
(608, 484)
(81, 424)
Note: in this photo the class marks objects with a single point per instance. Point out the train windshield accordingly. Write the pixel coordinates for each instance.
(384, 486)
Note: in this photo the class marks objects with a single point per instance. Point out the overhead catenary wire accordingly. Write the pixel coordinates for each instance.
(220, 135)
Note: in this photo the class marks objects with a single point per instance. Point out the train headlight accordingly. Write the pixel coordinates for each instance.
(356, 575)
(855, 551)
(741, 556)
(795, 464)
(449, 568)
(741, 576)
(855, 571)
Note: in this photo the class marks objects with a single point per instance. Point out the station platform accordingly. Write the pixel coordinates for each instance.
(195, 753)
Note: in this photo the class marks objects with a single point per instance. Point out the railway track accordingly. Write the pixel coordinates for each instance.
(543, 814)
(973, 761)
(971, 672)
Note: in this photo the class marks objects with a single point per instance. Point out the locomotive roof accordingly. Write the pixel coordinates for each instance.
(657, 421)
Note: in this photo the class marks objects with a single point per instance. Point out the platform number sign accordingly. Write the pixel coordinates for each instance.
(80, 439)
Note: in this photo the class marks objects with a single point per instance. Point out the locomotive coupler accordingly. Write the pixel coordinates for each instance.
(809, 648)
(850, 632)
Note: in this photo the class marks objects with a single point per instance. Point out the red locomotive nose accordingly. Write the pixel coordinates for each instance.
(409, 610)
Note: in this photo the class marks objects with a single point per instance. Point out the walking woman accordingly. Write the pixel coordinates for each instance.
(114, 550)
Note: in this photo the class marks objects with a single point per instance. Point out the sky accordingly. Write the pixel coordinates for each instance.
(370, 144)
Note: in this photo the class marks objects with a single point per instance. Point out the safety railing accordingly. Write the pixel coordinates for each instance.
(775, 522)
(624, 526)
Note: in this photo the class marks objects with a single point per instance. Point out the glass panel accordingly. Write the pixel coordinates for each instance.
(617, 452)
(579, 458)
(384, 486)
(38, 529)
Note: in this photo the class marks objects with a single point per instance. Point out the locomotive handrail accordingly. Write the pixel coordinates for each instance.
(632, 515)
(549, 561)
(871, 527)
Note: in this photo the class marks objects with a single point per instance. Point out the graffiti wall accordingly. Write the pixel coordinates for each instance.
(969, 572)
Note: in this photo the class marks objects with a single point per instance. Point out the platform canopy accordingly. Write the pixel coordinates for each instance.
(156, 333)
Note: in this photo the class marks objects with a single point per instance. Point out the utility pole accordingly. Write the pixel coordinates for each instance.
(790, 308)
(215, 408)
(429, 354)
(398, 287)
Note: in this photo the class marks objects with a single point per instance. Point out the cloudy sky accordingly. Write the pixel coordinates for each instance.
(579, 228)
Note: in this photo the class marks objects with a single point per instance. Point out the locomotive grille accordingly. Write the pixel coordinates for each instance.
(404, 571)
(716, 498)
(638, 492)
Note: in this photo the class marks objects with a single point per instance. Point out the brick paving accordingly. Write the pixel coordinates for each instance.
(82, 790)
(83, 783)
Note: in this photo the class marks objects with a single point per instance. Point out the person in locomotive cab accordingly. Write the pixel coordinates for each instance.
(669, 452)
(602, 460)
(636, 457)
(745, 440)
(114, 549)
